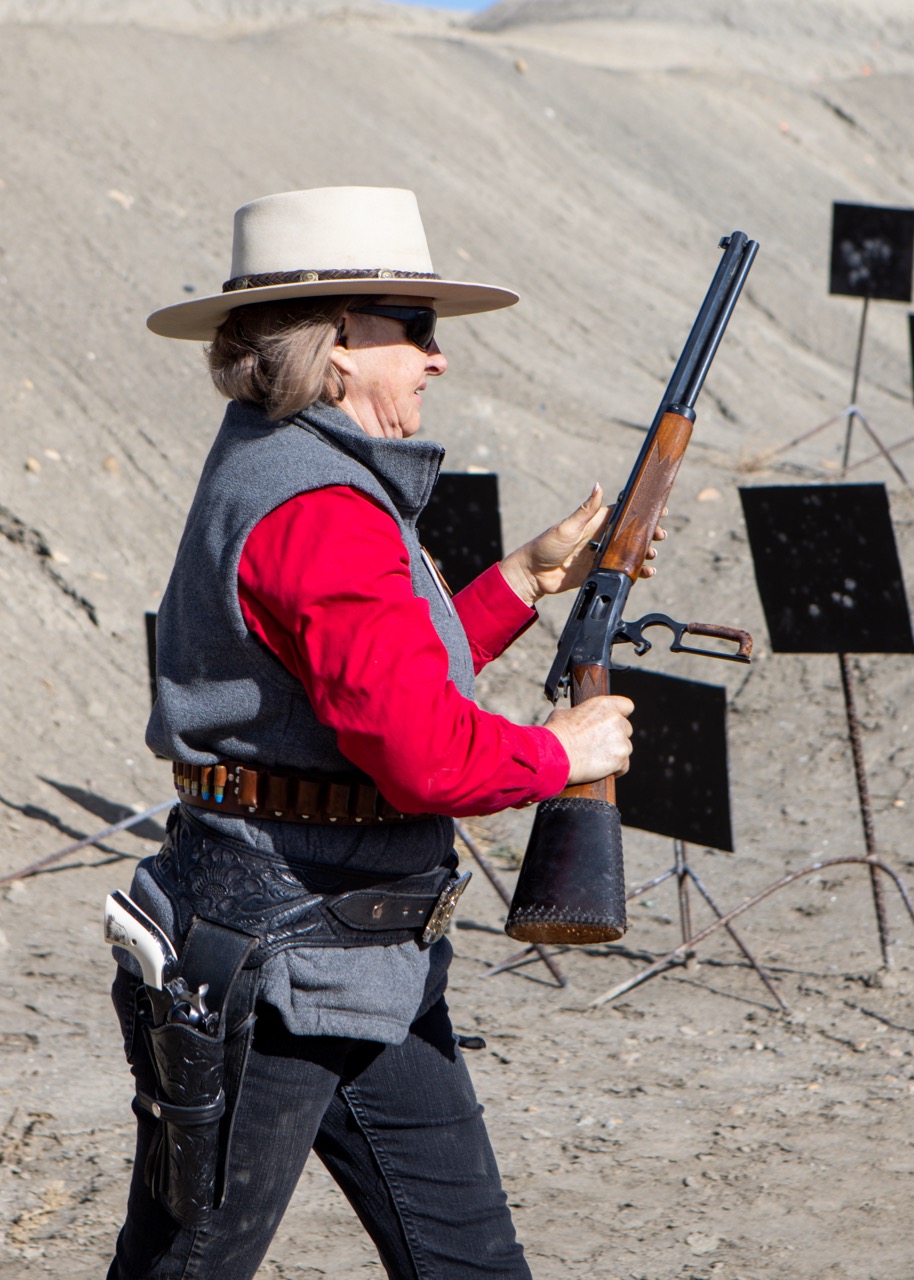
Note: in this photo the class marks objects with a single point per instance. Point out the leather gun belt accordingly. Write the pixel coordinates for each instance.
(283, 796)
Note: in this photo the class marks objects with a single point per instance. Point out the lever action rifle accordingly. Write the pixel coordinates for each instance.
(571, 887)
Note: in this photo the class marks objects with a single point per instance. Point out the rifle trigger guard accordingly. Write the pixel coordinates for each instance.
(633, 633)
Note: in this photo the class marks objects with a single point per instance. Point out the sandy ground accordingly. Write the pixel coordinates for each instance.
(590, 155)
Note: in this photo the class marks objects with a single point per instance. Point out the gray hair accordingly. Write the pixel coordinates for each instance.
(277, 354)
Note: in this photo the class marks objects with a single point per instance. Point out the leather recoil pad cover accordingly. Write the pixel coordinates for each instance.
(571, 887)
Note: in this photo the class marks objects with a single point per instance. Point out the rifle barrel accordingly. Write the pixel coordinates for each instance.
(700, 348)
(750, 249)
(713, 316)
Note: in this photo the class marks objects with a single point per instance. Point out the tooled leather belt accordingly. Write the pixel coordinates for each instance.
(283, 795)
(288, 904)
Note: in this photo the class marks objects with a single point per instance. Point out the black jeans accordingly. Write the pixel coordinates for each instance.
(397, 1126)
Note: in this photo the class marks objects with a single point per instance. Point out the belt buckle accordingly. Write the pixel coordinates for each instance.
(443, 909)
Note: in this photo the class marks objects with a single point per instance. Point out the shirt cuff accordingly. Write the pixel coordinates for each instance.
(493, 615)
(553, 767)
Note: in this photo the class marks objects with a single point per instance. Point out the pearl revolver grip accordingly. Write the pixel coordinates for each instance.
(571, 887)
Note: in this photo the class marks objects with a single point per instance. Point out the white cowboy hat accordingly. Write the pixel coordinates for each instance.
(330, 240)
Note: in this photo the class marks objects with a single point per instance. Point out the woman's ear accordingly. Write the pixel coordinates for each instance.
(340, 358)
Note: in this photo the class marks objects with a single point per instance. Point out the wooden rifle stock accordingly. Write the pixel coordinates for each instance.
(571, 887)
(633, 529)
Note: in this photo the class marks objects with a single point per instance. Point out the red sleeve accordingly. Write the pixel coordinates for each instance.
(492, 616)
(324, 582)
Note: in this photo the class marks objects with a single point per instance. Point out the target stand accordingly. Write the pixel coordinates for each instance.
(678, 786)
(872, 253)
(830, 581)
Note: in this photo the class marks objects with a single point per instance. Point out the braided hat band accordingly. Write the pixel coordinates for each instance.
(266, 279)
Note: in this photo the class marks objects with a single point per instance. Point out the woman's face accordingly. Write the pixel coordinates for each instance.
(383, 373)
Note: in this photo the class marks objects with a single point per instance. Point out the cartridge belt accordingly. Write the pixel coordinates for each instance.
(285, 795)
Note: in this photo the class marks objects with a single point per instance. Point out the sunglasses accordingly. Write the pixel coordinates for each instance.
(419, 322)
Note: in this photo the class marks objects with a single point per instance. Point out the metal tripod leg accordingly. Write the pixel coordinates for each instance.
(684, 873)
(693, 876)
(815, 868)
(682, 885)
(866, 812)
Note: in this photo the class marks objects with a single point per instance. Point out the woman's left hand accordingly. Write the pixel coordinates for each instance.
(561, 557)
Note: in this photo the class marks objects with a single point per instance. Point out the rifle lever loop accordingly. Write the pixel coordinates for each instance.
(633, 633)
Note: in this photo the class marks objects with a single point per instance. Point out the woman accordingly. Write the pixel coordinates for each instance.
(315, 688)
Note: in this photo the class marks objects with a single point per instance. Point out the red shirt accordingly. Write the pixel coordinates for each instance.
(348, 625)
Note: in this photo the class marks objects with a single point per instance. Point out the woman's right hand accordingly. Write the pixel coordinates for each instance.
(596, 735)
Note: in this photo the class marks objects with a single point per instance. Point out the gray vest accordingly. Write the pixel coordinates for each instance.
(221, 693)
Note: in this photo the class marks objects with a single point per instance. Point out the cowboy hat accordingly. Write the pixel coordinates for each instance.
(329, 240)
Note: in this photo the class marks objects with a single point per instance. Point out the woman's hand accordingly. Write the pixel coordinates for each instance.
(596, 735)
(561, 557)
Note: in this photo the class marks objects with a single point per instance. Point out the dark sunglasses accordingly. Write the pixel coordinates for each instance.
(419, 322)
